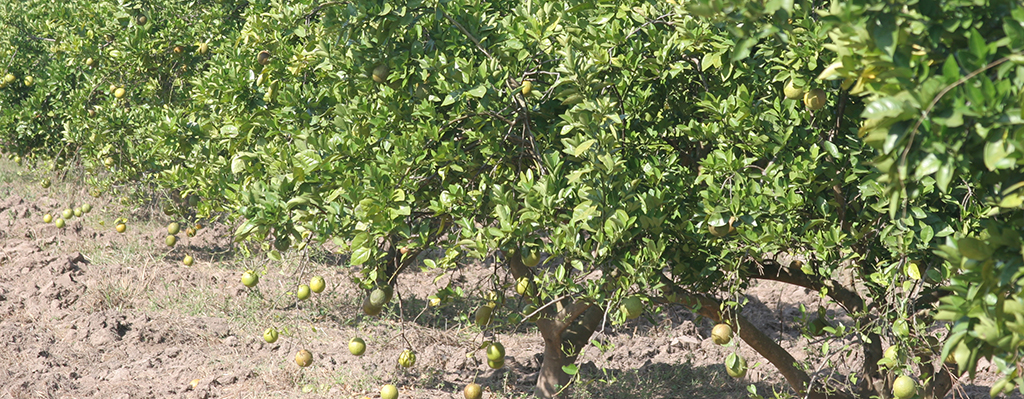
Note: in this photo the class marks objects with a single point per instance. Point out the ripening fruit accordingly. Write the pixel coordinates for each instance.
(270, 335)
(108, 162)
(68, 213)
(531, 257)
(120, 227)
(263, 57)
(29, 81)
(188, 260)
(357, 346)
(483, 314)
(473, 391)
(495, 351)
(815, 99)
(250, 279)
(527, 87)
(380, 73)
(721, 334)
(59, 223)
(496, 364)
(173, 228)
(904, 387)
(141, 20)
(632, 307)
(9, 78)
(525, 287)
(407, 358)
(792, 92)
(317, 284)
(736, 366)
(203, 48)
(89, 62)
(119, 92)
(190, 232)
(303, 292)
(388, 392)
(304, 358)
(179, 49)
(47, 218)
(171, 240)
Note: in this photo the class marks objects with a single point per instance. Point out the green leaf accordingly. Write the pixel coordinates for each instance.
(570, 369)
(478, 91)
(360, 256)
(887, 107)
(973, 248)
(995, 152)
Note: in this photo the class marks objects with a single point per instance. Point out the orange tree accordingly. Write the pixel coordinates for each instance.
(671, 152)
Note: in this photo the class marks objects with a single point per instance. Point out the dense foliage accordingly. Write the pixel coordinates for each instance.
(643, 147)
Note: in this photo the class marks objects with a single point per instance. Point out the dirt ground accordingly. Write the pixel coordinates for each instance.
(86, 312)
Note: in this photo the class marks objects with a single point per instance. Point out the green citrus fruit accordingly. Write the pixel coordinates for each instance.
(527, 87)
(407, 358)
(303, 292)
(187, 261)
(86, 208)
(525, 287)
(89, 62)
(528, 310)
(356, 346)
(531, 257)
(9, 78)
(317, 284)
(904, 387)
(270, 335)
(815, 99)
(171, 240)
(632, 307)
(388, 392)
(68, 213)
(735, 366)
(173, 228)
(369, 309)
(483, 314)
(378, 297)
(496, 364)
(47, 218)
(721, 334)
(29, 81)
(304, 358)
(495, 351)
(77, 211)
(792, 92)
(120, 227)
(59, 223)
(119, 92)
(473, 391)
(380, 73)
(141, 20)
(250, 279)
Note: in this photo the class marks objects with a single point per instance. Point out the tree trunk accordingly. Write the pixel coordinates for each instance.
(562, 344)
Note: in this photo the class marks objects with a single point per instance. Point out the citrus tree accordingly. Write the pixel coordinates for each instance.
(648, 154)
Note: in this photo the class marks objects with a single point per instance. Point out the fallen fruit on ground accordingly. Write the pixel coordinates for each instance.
(86, 208)
(632, 307)
(47, 218)
(187, 261)
(735, 366)
(270, 335)
(721, 334)
(45, 183)
(120, 227)
(303, 358)
(317, 284)
(904, 387)
(250, 279)
(357, 346)
(171, 240)
(67, 214)
(407, 358)
(388, 392)
(78, 212)
(59, 223)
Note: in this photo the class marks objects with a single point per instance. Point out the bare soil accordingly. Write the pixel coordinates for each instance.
(86, 312)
